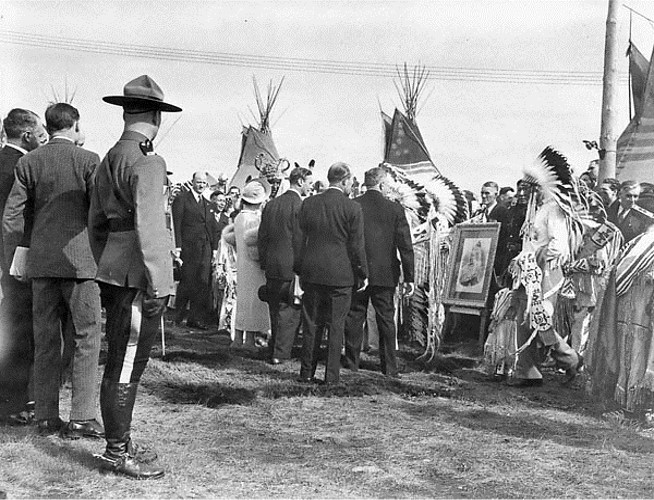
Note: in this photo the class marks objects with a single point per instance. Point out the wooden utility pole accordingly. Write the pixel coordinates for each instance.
(608, 134)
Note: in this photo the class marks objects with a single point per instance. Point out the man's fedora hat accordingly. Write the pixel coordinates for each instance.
(141, 94)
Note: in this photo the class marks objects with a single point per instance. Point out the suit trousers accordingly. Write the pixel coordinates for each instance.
(54, 299)
(17, 351)
(194, 288)
(130, 335)
(382, 301)
(336, 303)
(284, 318)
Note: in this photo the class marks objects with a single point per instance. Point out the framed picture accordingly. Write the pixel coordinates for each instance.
(471, 264)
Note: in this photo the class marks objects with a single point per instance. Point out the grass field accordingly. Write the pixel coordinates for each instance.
(226, 424)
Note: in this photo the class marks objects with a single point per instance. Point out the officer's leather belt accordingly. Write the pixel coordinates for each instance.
(121, 225)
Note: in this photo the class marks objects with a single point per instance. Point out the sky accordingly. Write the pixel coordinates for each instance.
(474, 130)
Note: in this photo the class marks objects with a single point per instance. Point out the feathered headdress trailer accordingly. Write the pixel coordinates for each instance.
(447, 200)
(440, 198)
(551, 172)
(552, 175)
(432, 208)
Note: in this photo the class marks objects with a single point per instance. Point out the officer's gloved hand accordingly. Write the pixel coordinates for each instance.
(152, 306)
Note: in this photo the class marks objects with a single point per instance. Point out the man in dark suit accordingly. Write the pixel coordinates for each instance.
(330, 263)
(631, 219)
(25, 133)
(195, 236)
(386, 233)
(219, 200)
(133, 245)
(52, 189)
(496, 212)
(278, 242)
(516, 215)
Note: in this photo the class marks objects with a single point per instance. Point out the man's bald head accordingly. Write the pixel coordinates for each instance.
(200, 182)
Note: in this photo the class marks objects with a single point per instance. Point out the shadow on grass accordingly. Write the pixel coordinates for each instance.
(530, 426)
(209, 359)
(269, 383)
(552, 394)
(209, 395)
(57, 449)
(265, 381)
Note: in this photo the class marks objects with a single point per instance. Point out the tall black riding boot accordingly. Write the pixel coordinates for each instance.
(117, 404)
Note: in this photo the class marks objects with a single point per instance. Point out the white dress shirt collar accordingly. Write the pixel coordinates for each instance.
(18, 148)
(61, 137)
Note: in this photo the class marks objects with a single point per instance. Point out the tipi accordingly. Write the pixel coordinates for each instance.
(404, 147)
(257, 142)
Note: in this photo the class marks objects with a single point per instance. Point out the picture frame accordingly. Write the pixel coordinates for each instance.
(470, 269)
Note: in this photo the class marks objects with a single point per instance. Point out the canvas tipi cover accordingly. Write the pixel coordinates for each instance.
(404, 147)
(253, 143)
(635, 149)
(257, 141)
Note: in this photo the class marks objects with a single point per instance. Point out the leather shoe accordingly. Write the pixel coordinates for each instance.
(307, 380)
(76, 429)
(131, 467)
(526, 382)
(25, 417)
(49, 426)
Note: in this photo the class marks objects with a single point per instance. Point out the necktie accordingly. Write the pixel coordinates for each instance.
(623, 216)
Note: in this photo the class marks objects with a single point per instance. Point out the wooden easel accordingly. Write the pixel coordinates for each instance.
(472, 311)
(471, 304)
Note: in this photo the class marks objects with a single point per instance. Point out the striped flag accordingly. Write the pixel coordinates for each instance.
(635, 151)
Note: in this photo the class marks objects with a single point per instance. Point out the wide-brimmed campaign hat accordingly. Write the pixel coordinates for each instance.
(254, 193)
(142, 94)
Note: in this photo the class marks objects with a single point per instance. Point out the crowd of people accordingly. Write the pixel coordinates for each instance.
(82, 234)
(572, 278)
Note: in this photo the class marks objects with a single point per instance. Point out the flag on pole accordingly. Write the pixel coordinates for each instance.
(635, 148)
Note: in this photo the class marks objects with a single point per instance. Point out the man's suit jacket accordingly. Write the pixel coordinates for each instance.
(500, 214)
(632, 225)
(55, 181)
(332, 249)
(279, 236)
(386, 232)
(128, 228)
(195, 228)
(222, 221)
(8, 158)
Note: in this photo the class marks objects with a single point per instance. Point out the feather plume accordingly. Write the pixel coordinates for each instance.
(440, 193)
(552, 173)
(399, 178)
(402, 194)
(448, 199)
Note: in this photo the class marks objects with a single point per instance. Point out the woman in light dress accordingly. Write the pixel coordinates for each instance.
(251, 313)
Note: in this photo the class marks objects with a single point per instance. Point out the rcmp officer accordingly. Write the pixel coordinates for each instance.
(132, 244)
